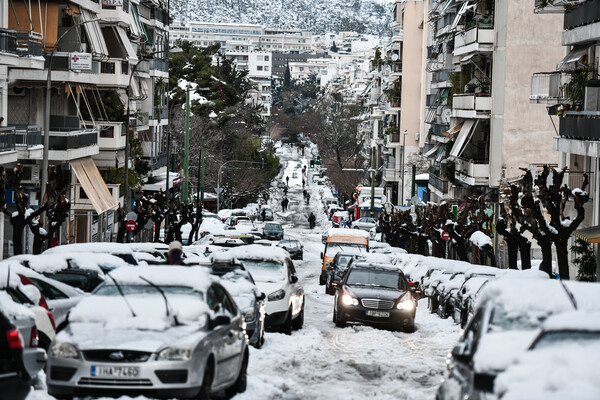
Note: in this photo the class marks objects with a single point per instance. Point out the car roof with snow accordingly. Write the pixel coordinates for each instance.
(197, 278)
(258, 252)
(100, 247)
(573, 321)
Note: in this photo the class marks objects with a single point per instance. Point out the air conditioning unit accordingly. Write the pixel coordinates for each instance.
(31, 173)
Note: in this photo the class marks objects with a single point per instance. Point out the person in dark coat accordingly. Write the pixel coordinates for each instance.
(263, 214)
(175, 254)
(311, 220)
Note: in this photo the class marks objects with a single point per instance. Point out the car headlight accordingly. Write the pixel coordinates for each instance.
(174, 354)
(349, 300)
(277, 295)
(64, 350)
(407, 304)
(249, 315)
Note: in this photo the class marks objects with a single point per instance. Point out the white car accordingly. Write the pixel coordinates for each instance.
(364, 223)
(274, 274)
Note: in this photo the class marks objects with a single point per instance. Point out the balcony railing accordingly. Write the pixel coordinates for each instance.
(472, 172)
(472, 102)
(143, 66)
(473, 35)
(7, 139)
(548, 87)
(28, 135)
(575, 179)
(160, 65)
(158, 162)
(582, 14)
(580, 125)
(440, 184)
(73, 139)
(141, 118)
(20, 43)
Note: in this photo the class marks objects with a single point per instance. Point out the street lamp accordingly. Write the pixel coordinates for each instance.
(200, 189)
(403, 151)
(219, 177)
(45, 152)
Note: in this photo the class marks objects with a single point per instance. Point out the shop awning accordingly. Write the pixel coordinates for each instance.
(463, 137)
(94, 33)
(126, 43)
(92, 183)
(590, 235)
(450, 133)
(574, 59)
(433, 150)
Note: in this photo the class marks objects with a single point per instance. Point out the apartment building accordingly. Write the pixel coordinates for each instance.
(92, 49)
(480, 128)
(570, 90)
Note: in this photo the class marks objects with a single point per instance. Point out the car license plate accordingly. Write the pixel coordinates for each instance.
(378, 314)
(117, 372)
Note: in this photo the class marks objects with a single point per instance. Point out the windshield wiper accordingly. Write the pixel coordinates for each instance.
(164, 296)
(122, 294)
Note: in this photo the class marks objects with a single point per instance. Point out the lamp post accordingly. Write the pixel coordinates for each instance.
(45, 151)
(200, 189)
(403, 151)
(219, 177)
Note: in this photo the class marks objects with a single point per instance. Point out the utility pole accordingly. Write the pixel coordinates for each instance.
(373, 166)
(402, 173)
(186, 151)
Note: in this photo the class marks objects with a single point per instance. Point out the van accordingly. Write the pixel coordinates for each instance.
(352, 240)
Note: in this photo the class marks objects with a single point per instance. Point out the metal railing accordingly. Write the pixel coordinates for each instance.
(73, 139)
(582, 14)
(160, 65)
(548, 86)
(7, 139)
(28, 135)
(8, 41)
(22, 43)
(438, 183)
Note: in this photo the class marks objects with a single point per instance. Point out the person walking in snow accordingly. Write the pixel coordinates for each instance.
(286, 203)
(307, 198)
(303, 182)
(263, 214)
(287, 180)
(311, 220)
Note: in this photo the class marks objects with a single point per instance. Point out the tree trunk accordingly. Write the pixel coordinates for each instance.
(38, 244)
(525, 250)
(121, 232)
(18, 228)
(461, 251)
(562, 257)
(157, 228)
(546, 265)
(513, 253)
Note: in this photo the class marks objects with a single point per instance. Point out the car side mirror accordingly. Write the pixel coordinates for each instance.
(459, 351)
(484, 382)
(261, 297)
(322, 255)
(220, 320)
(293, 279)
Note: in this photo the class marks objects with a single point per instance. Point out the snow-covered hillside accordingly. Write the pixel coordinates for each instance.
(316, 16)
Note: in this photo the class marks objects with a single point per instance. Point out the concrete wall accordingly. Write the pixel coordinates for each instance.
(525, 43)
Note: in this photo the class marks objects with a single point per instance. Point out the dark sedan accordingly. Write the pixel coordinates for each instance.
(375, 294)
(294, 247)
(335, 271)
(273, 231)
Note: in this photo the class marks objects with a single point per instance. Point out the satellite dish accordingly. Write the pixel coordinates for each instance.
(446, 114)
(395, 57)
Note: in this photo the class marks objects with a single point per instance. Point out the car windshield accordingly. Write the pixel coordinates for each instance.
(343, 261)
(292, 243)
(273, 227)
(80, 281)
(112, 290)
(333, 248)
(266, 271)
(582, 338)
(509, 320)
(375, 277)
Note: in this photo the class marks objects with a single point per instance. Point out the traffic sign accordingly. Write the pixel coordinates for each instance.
(445, 236)
(131, 225)
(131, 216)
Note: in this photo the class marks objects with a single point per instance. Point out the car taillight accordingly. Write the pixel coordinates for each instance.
(33, 342)
(411, 284)
(52, 320)
(14, 339)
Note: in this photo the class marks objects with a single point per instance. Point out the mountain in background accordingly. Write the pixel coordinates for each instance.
(317, 16)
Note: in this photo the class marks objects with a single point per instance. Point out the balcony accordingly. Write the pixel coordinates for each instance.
(548, 88)
(158, 161)
(159, 65)
(472, 172)
(441, 184)
(583, 14)
(471, 105)
(476, 39)
(141, 118)
(548, 7)
(111, 135)
(8, 153)
(582, 125)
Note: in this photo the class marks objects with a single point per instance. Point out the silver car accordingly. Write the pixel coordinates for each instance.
(159, 331)
(364, 223)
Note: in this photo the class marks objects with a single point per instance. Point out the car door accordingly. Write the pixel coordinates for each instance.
(218, 335)
(58, 302)
(295, 289)
(233, 335)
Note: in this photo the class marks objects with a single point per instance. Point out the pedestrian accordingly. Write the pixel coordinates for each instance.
(174, 256)
(311, 220)
(287, 180)
(307, 198)
(286, 203)
(263, 214)
(303, 182)
(304, 193)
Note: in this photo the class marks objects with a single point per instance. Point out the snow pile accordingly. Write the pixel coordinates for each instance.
(497, 350)
(237, 284)
(8, 306)
(576, 320)
(99, 247)
(473, 285)
(9, 278)
(93, 261)
(258, 252)
(480, 239)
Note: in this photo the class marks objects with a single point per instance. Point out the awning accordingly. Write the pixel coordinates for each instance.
(450, 133)
(147, 34)
(441, 153)
(574, 58)
(468, 57)
(42, 21)
(90, 179)
(433, 150)
(135, 19)
(590, 235)
(463, 137)
(126, 43)
(463, 9)
(94, 33)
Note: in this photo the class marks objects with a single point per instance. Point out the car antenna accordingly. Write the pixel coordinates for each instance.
(569, 294)
(162, 292)
(122, 294)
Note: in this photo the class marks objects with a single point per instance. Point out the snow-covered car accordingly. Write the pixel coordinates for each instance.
(375, 294)
(20, 357)
(275, 275)
(294, 247)
(121, 250)
(508, 315)
(163, 332)
(567, 348)
(364, 223)
(464, 305)
(249, 299)
(338, 217)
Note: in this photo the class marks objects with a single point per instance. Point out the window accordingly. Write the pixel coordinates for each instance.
(107, 132)
(266, 58)
(107, 68)
(259, 68)
(266, 68)
(259, 58)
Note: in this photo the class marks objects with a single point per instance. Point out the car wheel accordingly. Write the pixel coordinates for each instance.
(299, 321)
(340, 322)
(409, 327)
(242, 380)
(356, 227)
(321, 280)
(286, 328)
(205, 389)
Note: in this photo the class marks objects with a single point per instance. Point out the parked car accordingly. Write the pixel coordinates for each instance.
(20, 357)
(249, 299)
(120, 250)
(375, 294)
(294, 247)
(273, 231)
(342, 240)
(336, 268)
(275, 275)
(364, 223)
(338, 217)
(508, 314)
(268, 214)
(162, 332)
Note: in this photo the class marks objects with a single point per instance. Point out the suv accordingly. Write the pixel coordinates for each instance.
(273, 230)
